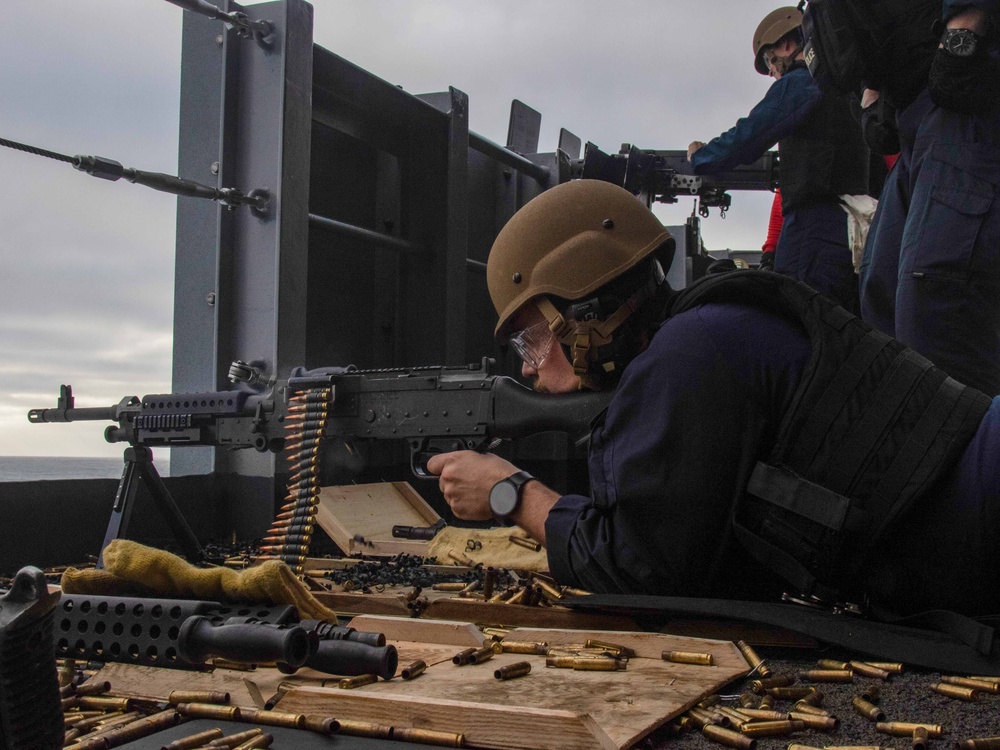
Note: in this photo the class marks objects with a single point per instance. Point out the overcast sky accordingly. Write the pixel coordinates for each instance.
(86, 277)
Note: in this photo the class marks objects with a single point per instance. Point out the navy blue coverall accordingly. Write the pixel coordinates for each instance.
(930, 276)
(813, 246)
(707, 395)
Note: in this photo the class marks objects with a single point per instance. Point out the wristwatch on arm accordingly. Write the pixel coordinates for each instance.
(505, 497)
(960, 42)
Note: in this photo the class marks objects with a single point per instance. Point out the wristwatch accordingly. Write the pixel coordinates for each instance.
(506, 495)
(960, 42)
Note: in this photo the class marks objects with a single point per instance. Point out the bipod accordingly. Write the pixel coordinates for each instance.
(139, 468)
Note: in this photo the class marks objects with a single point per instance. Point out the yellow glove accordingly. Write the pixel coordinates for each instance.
(132, 569)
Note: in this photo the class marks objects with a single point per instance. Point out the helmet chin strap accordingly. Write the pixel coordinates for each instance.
(584, 337)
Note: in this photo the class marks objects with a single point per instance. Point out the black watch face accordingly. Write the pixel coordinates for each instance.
(960, 42)
(503, 499)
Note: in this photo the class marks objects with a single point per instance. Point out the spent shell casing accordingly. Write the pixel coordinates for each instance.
(479, 655)
(812, 721)
(104, 702)
(956, 692)
(523, 541)
(321, 724)
(764, 714)
(735, 715)
(905, 729)
(210, 711)
(273, 718)
(197, 696)
(772, 728)
(365, 729)
(979, 743)
(688, 657)
(462, 657)
(489, 582)
(233, 740)
(746, 700)
(414, 669)
(867, 709)
(796, 746)
(867, 670)
(428, 736)
(349, 683)
(462, 560)
(790, 693)
(265, 740)
(986, 687)
(871, 693)
(827, 675)
(93, 688)
(615, 648)
(814, 698)
(448, 586)
(766, 701)
(728, 737)
(753, 659)
(832, 664)
(551, 592)
(702, 717)
(919, 739)
(524, 647)
(710, 700)
(517, 598)
(805, 707)
(512, 671)
(894, 667)
(140, 728)
(194, 740)
(766, 683)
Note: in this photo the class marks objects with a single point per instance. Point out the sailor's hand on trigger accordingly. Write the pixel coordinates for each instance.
(466, 478)
(695, 145)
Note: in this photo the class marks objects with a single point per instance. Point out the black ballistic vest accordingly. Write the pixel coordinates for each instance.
(871, 428)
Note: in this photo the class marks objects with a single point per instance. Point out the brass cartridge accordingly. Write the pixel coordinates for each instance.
(586, 663)
(753, 659)
(93, 688)
(919, 739)
(871, 693)
(867, 709)
(273, 718)
(69, 735)
(746, 700)
(735, 715)
(905, 729)
(349, 683)
(140, 728)
(469, 588)
(264, 740)
(765, 714)
(728, 737)
(462, 657)
(462, 559)
(365, 729)
(766, 702)
(321, 724)
(867, 670)
(511, 671)
(981, 685)
(804, 707)
(980, 743)
(518, 598)
(703, 718)
(197, 696)
(790, 693)
(956, 691)
(497, 634)
(553, 593)
(710, 700)
(795, 746)
(209, 711)
(894, 667)
(104, 703)
(688, 657)
(428, 736)
(827, 675)
(194, 740)
(479, 655)
(570, 591)
(233, 740)
(772, 728)
(812, 721)
(614, 648)
(524, 647)
(489, 582)
(448, 586)
(763, 684)
(523, 541)
(414, 669)
(86, 725)
(832, 664)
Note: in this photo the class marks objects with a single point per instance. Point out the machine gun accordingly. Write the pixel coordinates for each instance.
(434, 409)
(666, 176)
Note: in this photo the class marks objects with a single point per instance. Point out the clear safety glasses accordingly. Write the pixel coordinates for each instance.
(533, 343)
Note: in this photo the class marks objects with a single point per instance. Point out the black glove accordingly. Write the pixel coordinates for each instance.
(962, 84)
(878, 123)
(766, 262)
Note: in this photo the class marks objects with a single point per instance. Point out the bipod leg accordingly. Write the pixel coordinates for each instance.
(193, 550)
(121, 511)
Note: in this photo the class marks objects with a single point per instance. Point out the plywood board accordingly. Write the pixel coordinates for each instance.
(359, 517)
(549, 708)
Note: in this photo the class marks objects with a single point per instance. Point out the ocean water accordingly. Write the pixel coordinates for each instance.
(31, 468)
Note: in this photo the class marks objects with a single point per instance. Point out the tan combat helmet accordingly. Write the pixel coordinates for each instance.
(567, 243)
(775, 25)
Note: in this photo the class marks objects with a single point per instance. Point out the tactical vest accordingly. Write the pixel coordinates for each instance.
(872, 426)
(825, 158)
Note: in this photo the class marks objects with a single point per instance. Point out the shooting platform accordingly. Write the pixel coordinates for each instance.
(549, 708)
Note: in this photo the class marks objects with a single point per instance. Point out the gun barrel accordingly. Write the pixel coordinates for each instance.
(93, 414)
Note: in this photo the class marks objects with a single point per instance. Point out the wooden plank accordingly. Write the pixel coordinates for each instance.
(484, 725)
(429, 631)
(156, 683)
(349, 513)
(626, 705)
